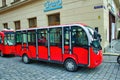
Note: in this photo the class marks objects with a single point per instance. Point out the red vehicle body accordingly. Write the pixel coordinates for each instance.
(7, 42)
(72, 45)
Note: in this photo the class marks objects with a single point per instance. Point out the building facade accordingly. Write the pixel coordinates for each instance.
(104, 15)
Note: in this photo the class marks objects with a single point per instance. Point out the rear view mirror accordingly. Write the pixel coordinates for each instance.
(97, 36)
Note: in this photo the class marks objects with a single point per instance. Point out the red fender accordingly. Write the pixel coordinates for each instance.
(70, 56)
(25, 51)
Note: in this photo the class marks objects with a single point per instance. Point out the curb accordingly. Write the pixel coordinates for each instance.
(110, 54)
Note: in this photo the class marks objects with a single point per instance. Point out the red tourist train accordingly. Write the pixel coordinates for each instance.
(72, 45)
(7, 42)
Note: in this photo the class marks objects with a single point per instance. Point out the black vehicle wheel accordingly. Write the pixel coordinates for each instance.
(118, 59)
(25, 59)
(1, 54)
(70, 65)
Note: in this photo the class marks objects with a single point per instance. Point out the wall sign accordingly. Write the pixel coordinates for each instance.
(52, 5)
(98, 7)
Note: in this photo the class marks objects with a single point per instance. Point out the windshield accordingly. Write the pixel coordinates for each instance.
(94, 34)
(95, 39)
(96, 46)
(9, 38)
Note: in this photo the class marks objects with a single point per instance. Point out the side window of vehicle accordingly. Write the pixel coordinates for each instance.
(6, 39)
(56, 36)
(66, 36)
(79, 36)
(9, 39)
(43, 37)
(18, 38)
(31, 37)
(13, 37)
(24, 37)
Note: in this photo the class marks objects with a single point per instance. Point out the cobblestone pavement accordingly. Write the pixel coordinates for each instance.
(12, 68)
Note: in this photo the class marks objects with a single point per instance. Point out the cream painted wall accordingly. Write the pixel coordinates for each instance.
(105, 28)
(8, 2)
(23, 13)
(106, 20)
(0, 4)
(73, 11)
(83, 11)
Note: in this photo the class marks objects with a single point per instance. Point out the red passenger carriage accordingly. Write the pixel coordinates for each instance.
(72, 45)
(7, 42)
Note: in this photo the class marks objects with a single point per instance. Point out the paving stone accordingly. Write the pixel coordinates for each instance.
(14, 69)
